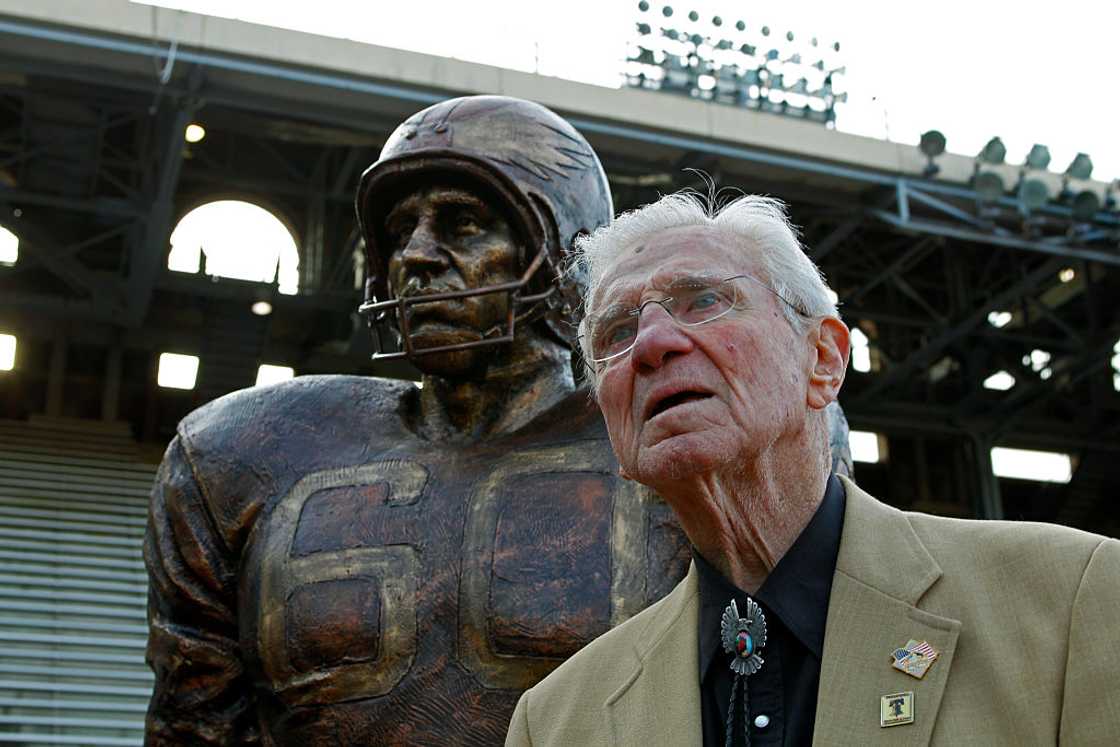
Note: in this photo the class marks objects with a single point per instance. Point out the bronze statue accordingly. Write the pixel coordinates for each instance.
(342, 560)
(354, 561)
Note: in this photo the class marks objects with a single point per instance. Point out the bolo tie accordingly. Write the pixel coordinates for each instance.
(743, 638)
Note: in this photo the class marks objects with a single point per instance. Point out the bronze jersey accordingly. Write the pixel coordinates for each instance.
(322, 576)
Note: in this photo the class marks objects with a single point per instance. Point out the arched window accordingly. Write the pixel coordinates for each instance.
(239, 240)
(9, 247)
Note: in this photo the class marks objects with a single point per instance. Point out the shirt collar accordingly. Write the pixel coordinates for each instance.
(796, 590)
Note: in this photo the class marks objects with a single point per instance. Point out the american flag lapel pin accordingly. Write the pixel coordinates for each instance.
(915, 658)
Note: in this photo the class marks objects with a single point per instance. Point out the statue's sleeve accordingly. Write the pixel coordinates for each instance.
(201, 694)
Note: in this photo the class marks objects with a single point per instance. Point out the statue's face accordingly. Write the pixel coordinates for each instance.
(445, 239)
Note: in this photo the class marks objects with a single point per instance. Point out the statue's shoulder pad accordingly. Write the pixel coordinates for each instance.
(305, 401)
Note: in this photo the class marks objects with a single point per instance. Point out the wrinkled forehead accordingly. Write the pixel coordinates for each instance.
(659, 261)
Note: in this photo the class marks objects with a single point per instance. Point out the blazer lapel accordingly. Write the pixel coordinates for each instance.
(659, 702)
(881, 573)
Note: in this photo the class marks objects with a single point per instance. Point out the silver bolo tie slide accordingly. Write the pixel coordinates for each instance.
(743, 638)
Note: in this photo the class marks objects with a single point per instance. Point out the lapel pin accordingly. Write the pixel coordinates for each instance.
(896, 709)
(915, 658)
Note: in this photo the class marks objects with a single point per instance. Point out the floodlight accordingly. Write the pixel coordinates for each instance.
(1000, 381)
(740, 26)
(932, 145)
(865, 446)
(269, 374)
(994, 152)
(1067, 274)
(1039, 157)
(988, 185)
(999, 318)
(261, 308)
(1023, 464)
(693, 16)
(1033, 193)
(1085, 205)
(667, 11)
(7, 352)
(643, 6)
(177, 371)
(194, 133)
(860, 351)
(1081, 167)
(9, 247)
(717, 21)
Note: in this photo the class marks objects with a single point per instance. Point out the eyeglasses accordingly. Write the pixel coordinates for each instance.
(690, 302)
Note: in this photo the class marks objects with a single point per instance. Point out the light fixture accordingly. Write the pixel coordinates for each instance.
(261, 308)
(866, 447)
(932, 145)
(194, 133)
(989, 185)
(177, 371)
(9, 247)
(1116, 366)
(861, 351)
(1081, 167)
(999, 318)
(1033, 193)
(7, 352)
(1066, 274)
(1038, 158)
(1024, 464)
(994, 152)
(270, 374)
(1084, 205)
(1000, 381)
(1037, 359)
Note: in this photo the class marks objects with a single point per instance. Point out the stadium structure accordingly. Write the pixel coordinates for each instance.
(987, 318)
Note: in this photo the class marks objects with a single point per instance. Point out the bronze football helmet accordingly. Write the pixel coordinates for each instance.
(518, 153)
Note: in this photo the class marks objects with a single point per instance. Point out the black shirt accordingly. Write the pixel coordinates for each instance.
(794, 598)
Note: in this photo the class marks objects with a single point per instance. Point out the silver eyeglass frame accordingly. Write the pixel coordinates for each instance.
(665, 303)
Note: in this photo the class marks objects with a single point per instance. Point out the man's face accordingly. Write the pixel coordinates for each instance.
(448, 239)
(688, 400)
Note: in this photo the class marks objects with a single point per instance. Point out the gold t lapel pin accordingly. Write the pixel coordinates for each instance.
(896, 709)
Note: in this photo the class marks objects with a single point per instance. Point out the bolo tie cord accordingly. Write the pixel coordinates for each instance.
(729, 728)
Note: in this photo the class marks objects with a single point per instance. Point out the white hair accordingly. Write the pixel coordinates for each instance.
(757, 226)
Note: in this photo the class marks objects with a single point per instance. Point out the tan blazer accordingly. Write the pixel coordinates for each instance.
(1026, 618)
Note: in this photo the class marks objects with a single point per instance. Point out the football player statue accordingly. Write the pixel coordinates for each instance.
(344, 560)
(348, 560)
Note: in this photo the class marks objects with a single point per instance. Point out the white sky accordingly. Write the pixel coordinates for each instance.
(1028, 71)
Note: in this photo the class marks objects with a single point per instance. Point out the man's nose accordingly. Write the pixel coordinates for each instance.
(423, 251)
(659, 338)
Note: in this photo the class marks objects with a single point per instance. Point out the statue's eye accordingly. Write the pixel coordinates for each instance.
(400, 231)
(466, 222)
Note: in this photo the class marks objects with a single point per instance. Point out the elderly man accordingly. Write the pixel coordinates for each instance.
(811, 612)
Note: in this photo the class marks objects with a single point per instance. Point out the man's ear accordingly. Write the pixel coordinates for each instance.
(830, 343)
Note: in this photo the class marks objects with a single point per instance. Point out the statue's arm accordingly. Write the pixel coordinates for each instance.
(202, 695)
